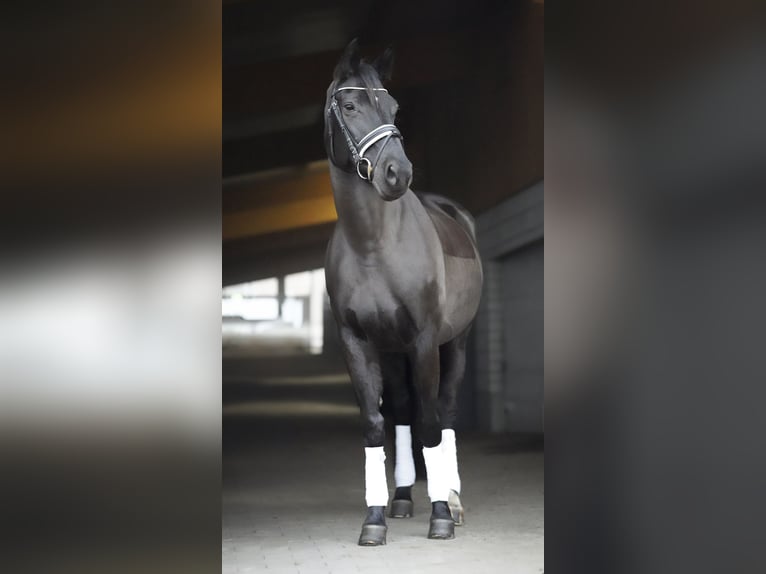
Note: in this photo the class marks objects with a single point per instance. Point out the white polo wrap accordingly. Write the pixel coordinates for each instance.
(404, 471)
(376, 489)
(438, 487)
(449, 448)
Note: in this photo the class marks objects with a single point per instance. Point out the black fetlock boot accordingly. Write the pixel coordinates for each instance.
(401, 505)
(442, 526)
(374, 528)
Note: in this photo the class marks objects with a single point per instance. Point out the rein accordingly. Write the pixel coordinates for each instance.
(383, 132)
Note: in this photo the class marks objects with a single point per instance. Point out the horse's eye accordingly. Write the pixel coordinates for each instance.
(349, 106)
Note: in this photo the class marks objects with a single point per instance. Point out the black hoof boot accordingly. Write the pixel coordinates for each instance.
(442, 526)
(374, 528)
(456, 508)
(401, 505)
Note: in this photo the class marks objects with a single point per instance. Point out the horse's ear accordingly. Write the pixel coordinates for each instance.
(384, 63)
(348, 65)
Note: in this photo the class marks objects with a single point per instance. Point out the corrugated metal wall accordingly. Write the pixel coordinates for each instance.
(506, 368)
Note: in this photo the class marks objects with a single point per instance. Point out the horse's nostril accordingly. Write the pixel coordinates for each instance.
(392, 176)
(408, 175)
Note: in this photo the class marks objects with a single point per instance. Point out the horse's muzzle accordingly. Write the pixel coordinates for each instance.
(397, 178)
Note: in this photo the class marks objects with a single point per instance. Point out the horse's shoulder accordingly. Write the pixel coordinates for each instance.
(453, 228)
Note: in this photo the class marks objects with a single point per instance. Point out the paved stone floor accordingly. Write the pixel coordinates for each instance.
(293, 489)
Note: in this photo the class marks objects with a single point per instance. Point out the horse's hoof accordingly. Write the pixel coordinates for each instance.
(373, 535)
(401, 509)
(456, 508)
(441, 529)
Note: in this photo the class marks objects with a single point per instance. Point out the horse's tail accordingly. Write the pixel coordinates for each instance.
(451, 208)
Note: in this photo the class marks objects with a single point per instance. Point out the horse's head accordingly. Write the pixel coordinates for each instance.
(360, 137)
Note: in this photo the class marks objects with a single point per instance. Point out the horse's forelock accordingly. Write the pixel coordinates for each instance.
(369, 79)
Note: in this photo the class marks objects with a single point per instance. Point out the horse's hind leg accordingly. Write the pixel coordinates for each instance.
(363, 362)
(452, 369)
(396, 377)
(425, 363)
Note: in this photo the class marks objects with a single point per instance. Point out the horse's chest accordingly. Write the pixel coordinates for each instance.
(381, 314)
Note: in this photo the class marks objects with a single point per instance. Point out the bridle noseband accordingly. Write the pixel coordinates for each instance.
(383, 132)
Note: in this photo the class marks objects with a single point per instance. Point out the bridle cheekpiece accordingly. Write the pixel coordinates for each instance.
(358, 149)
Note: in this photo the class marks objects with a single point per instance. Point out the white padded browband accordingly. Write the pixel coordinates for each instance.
(359, 88)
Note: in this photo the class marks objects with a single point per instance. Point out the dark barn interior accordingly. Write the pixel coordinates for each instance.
(469, 80)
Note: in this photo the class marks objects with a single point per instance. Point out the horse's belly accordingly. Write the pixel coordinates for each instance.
(463, 280)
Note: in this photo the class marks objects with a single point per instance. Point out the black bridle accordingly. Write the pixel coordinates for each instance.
(383, 132)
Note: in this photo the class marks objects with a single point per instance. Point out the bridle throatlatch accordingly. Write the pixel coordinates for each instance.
(383, 132)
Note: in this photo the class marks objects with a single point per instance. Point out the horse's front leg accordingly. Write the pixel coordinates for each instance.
(425, 362)
(397, 395)
(363, 362)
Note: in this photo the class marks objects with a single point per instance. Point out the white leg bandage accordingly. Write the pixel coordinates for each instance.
(404, 471)
(438, 487)
(449, 448)
(376, 489)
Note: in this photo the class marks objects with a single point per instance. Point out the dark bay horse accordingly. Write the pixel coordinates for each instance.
(404, 278)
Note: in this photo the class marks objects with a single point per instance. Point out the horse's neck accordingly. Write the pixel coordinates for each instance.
(369, 223)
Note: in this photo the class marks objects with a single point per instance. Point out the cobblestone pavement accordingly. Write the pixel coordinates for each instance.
(293, 491)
